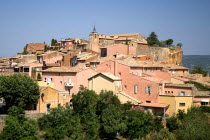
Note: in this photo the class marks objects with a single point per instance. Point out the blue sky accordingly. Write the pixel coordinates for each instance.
(25, 21)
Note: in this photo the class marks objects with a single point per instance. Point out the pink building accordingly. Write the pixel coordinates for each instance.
(67, 78)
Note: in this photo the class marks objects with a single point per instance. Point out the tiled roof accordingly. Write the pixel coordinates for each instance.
(64, 69)
(156, 80)
(111, 76)
(181, 78)
(202, 93)
(154, 105)
(173, 66)
(180, 85)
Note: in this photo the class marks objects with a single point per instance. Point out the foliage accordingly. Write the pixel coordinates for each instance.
(139, 124)
(199, 70)
(179, 44)
(172, 123)
(162, 43)
(19, 128)
(126, 41)
(59, 123)
(39, 76)
(85, 105)
(110, 113)
(45, 48)
(195, 126)
(152, 40)
(163, 134)
(53, 42)
(25, 50)
(205, 109)
(199, 86)
(18, 90)
(169, 42)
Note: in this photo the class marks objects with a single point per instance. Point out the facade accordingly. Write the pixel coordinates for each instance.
(49, 98)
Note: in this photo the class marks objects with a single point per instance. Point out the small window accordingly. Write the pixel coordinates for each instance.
(135, 89)
(119, 73)
(51, 80)
(181, 104)
(59, 74)
(182, 93)
(172, 92)
(168, 91)
(148, 101)
(148, 89)
(34, 106)
(165, 91)
(45, 79)
(125, 86)
(204, 103)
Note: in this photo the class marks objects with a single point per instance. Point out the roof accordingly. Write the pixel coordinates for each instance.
(133, 63)
(52, 65)
(174, 67)
(182, 79)
(108, 75)
(179, 85)
(130, 97)
(202, 93)
(35, 46)
(156, 80)
(159, 105)
(64, 69)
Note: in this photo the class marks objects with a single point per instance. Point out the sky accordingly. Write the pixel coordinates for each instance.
(38, 21)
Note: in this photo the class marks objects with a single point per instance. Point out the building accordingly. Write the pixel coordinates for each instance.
(35, 48)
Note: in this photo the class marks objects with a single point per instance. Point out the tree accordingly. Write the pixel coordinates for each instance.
(53, 42)
(169, 42)
(152, 40)
(18, 90)
(162, 43)
(179, 44)
(61, 122)
(139, 124)
(199, 70)
(25, 50)
(39, 76)
(126, 41)
(85, 105)
(45, 48)
(18, 127)
(110, 113)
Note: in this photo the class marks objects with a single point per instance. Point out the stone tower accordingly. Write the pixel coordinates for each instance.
(94, 41)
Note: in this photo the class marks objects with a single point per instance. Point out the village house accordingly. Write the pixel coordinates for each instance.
(35, 48)
(48, 98)
(67, 78)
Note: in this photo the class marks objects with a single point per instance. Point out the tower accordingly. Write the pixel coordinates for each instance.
(94, 41)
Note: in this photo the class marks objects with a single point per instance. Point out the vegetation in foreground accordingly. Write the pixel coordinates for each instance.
(102, 116)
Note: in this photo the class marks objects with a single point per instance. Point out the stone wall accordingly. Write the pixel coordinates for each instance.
(171, 55)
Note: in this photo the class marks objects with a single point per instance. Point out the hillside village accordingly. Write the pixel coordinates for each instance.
(151, 78)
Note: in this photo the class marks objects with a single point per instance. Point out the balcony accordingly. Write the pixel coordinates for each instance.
(69, 84)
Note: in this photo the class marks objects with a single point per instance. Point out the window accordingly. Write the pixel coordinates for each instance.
(182, 93)
(119, 73)
(204, 103)
(135, 89)
(168, 91)
(59, 74)
(34, 106)
(45, 79)
(181, 104)
(148, 101)
(148, 89)
(125, 86)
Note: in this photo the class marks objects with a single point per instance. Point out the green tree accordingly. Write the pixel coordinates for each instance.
(85, 105)
(39, 77)
(162, 43)
(53, 42)
(45, 48)
(19, 128)
(18, 90)
(126, 41)
(195, 125)
(139, 124)
(169, 42)
(152, 40)
(60, 122)
(179, 44)
(25, 50)
(199, 70)
(110, 113)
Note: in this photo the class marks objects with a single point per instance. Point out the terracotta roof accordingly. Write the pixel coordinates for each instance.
(35, 46)
(64, 69)
(160, 105)
(133, 63)
(156, 80)
(174, 67)
(182, 79)
(52, 65)
(202, 93)
(179, 85)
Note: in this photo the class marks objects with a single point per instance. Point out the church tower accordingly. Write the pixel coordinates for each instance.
(94, 41)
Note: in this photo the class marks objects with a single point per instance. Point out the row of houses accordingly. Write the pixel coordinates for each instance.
(154, 86)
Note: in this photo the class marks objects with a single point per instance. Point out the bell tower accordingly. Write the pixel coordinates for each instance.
(94, 41)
